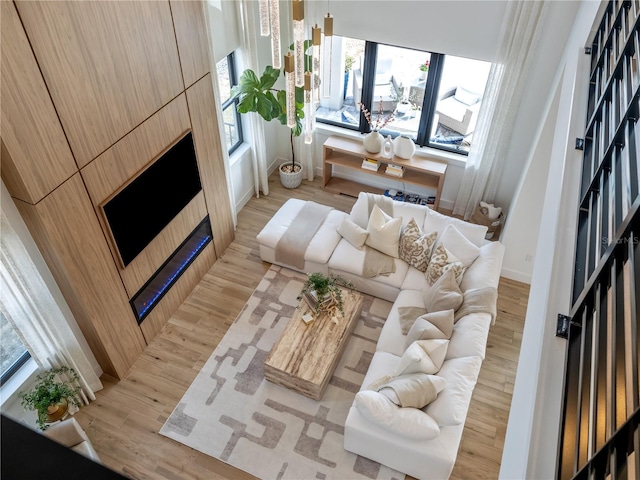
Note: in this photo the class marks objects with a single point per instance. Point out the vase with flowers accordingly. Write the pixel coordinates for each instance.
(373, 141)
(424, 68)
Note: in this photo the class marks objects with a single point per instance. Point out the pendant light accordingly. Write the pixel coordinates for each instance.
(298, 39)
(274, 15)
(309, 107)
(263, 9)
(290, 89)
(316, 39)
(328, 47)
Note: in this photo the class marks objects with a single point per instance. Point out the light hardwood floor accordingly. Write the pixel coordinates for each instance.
(124, 421)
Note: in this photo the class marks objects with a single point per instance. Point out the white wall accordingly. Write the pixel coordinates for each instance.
(531, 441)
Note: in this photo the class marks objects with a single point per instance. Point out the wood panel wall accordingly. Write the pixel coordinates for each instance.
(82, 265)
(208, 145)
(36, 157)
(91, 93)
(108, 65)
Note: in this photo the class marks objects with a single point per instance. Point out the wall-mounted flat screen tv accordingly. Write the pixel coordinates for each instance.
(144, 206)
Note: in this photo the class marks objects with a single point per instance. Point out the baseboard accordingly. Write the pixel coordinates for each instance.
(516, 275)
(243, 201)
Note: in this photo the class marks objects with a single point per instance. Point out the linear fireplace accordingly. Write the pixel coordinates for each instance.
(163, 279)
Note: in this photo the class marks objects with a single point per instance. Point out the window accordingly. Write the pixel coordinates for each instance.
(227, 78)
(434, 98)
(13, 354)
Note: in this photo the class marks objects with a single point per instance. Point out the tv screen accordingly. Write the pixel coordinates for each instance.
(139, 212)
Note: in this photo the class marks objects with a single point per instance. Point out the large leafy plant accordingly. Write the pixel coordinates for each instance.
(258, 94)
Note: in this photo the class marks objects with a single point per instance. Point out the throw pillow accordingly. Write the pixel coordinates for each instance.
(384, 232)
(353, 233)
(443, 261)
(416, 246)
(415, 390)
(459, 246)
(437, 222)
(407, 317)
(437, 325)
(445, 294)
(465, 96)
(423, 356)
(461, 374)
(406, 422)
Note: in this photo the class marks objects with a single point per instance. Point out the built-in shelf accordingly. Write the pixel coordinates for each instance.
(349, 153)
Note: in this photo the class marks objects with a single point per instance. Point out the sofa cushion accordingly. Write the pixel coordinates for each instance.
(445, 294)
(384, 232)
(431, 325)
(461, 374)
(391, 338)
(415, 280)
(407, 211)
(456, 243)
(437, 222)
(353, 233)
(416, 246)
(423, 356)
(465, 96)
(360, 211)
(469, 337)
(485, 271)
(408, 316)
(443, 261)
(408, 422)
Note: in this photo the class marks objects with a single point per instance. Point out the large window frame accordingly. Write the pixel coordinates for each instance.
(18, 362)
(429, 102)
(232, 103)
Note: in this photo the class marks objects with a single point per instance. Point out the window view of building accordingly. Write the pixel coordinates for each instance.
(227, 79)
(434, 98)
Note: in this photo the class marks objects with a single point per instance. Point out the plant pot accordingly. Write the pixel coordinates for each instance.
(57, 411)
(290, 179)
(403, 107)
(372, 142)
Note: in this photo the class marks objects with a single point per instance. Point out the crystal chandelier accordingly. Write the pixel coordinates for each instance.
(309, 109)
(298, 40)
(290, 89)
(328, 47)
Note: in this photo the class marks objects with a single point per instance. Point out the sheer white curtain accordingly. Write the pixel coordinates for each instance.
(521, 29)
(254, 122)
(32, 310)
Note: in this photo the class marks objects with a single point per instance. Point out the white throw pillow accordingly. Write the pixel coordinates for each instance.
(441, 262)
(416, 246)
(465, 96)
(423, 356)
(461, 374)
(416, 389)
(384, 232)
(436, 325)
(406, 422)
(461, 247)
(353, 233)
(437, 222)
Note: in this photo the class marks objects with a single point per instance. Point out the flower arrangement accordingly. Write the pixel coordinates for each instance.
(380, 122)
(424, 67)
(324, 292)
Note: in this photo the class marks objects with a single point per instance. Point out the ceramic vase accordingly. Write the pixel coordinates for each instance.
(291, 179)
(372, 142)
(404, 147)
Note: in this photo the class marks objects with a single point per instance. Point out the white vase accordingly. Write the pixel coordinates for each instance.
(423, 75)
(404, 147)
(291, 179)
(372, 142)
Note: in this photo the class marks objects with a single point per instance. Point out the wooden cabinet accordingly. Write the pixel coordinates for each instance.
(348, 153)
(192, 39)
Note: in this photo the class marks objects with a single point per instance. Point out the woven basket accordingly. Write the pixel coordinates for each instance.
(494, 226)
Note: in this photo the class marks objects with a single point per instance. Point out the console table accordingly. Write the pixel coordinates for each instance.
(349, 153)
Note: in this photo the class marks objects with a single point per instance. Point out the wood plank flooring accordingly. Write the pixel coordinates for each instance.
(124, 421)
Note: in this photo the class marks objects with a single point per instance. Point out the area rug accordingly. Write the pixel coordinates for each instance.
(232, 413)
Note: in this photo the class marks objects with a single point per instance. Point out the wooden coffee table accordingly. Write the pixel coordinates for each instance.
(305, 356)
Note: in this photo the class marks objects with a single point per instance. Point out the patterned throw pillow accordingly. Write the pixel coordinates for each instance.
(416, 246)
(442, 261)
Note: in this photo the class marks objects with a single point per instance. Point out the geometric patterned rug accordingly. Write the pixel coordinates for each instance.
(232, 413)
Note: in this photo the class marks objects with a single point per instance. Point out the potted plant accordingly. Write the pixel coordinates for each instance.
(424, 68)
(323, 293)
(257, 94)
(50, 397)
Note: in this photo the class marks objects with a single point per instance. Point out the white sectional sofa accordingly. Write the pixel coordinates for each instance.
(420, 442)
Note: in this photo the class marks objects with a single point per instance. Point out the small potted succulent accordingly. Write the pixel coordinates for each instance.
(323, 293)
(51, 395)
